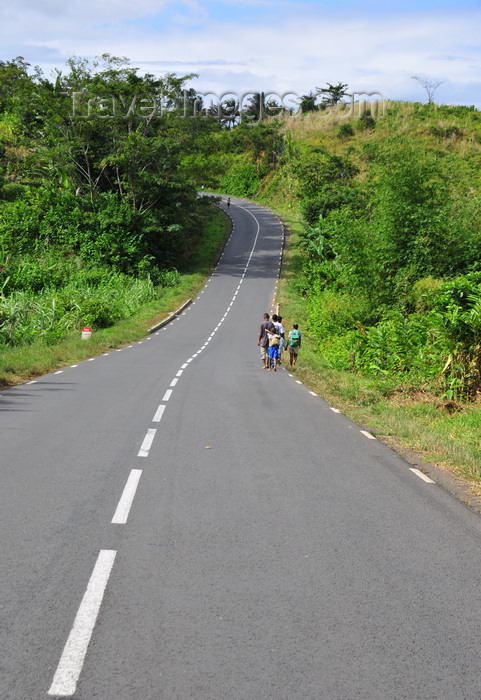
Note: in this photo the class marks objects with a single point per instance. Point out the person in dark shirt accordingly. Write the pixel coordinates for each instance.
(263, 339)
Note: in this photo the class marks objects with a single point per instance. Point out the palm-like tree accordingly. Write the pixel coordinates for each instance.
(308, 103)
(258, 107)
(229, 112)
(255, 107)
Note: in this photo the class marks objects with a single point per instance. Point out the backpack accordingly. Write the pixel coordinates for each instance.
(294, 337)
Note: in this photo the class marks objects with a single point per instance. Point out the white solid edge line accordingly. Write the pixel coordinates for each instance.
(70, 665)
(158, 414)
(123, 508)
(368, 435)
(422, 476)
(335, 410)
(147, 443)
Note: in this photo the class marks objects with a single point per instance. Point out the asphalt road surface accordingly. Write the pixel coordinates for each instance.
(178, 523)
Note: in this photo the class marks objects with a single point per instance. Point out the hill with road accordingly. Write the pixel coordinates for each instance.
(100, 219)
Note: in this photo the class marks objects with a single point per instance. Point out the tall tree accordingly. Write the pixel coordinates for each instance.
(333, 94)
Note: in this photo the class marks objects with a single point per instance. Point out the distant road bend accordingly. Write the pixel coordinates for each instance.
(178, 523)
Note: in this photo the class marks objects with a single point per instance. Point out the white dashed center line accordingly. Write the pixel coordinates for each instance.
(70, 665)
(123, 509)
(158, 414)
(147, 443)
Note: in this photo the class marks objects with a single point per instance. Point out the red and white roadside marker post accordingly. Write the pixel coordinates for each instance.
(86, 332)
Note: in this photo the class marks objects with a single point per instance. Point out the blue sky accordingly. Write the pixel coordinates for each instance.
(264, 45)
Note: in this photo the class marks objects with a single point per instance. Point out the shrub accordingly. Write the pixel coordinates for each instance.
(51, 314)
(242, 180)
(366, 121)
(346, 130)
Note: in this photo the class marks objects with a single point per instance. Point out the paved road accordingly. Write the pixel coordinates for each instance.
(178, 523)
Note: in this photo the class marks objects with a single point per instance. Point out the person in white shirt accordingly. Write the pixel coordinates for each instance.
(277, 321)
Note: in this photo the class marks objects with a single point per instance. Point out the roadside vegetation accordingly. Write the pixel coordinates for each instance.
(383, 271)
(101, 225)
(139, 305)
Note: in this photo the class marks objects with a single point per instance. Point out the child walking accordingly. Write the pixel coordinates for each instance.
(294, 344)
(273, 351)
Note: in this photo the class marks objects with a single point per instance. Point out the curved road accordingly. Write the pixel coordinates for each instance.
(177, 523)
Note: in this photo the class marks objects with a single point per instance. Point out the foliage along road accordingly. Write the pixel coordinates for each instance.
(178, 523)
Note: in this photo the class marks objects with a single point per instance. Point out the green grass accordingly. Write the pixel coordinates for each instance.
(440, 432)
(20, 364)
(420, 422)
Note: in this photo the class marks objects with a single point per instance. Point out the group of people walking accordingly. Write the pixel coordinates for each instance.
(272, 342)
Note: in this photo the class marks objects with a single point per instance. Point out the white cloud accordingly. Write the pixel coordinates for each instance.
(296, 51)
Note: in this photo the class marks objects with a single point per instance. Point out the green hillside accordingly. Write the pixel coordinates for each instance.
(383, 270)
(101, 224)
(389, 244)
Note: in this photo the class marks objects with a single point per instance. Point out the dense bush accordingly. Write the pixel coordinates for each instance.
(242, 179)
(98, 214)
(53, 313)
(391, 253)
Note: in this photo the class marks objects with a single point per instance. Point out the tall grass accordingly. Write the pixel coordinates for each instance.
(53, 314)
(438, 431)
(40, 332)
